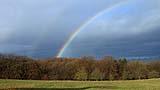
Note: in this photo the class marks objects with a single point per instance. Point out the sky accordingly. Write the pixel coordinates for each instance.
(74, 28)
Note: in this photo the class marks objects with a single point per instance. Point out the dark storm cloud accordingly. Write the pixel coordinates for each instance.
(40, 27)
(132, 31)
(146, 44)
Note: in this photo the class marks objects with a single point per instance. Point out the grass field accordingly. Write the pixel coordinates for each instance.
(152, 84)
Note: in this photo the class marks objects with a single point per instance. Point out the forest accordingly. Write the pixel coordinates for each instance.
(81, 69)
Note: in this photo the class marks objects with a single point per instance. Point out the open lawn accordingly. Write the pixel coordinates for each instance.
(152, 84)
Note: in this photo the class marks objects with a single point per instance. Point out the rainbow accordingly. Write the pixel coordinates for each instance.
(86, 23)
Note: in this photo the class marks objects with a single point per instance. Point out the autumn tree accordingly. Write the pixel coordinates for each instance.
(136, 70)
(85, 68)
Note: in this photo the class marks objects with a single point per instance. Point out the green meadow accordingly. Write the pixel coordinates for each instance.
(151, 84)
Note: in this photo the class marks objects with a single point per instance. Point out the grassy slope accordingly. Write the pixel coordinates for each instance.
(153, 84)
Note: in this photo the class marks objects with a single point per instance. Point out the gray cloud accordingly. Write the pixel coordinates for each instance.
(131, 30)
(42, 25)
(39, 28)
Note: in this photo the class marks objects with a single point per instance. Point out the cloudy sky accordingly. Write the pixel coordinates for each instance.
(47, 28)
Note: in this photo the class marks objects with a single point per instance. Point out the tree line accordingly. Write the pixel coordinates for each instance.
(85, 68)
